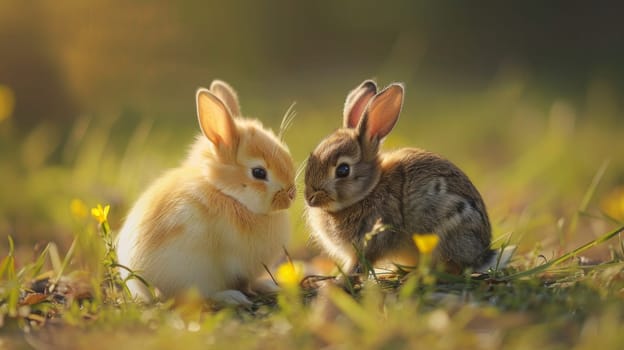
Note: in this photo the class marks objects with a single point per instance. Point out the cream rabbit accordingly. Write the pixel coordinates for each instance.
(351, 188)
(214, 221)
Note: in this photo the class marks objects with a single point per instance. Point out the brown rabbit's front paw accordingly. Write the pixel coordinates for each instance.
(314, 282)
(452, 268)
(349, 283)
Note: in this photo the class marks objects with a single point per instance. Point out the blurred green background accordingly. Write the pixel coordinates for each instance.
(97, 98)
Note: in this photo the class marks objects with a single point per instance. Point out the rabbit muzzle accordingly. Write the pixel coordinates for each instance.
(284, 198)
(317, 198)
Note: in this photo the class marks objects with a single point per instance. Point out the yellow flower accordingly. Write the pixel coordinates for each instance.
(77, 208)
(426, 243)
(613, 204)
(100, 213)
(7, 102)
(289, 275)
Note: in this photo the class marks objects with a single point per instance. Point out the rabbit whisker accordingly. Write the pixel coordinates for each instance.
(287, 120)
(301, 168)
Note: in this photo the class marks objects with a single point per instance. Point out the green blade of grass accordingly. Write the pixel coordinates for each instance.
(354, 311)
(589, 194)
(33, 269)
(8, 263)
(12, 289)
(565, 257)
(594, 184)
(66, 260)
(133, 275)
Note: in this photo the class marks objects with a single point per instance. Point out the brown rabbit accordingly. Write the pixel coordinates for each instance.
(352, 189)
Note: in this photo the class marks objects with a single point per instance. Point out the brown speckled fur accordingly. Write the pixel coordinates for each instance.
(408, 191)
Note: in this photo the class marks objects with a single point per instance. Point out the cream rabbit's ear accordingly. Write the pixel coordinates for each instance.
(227, 94)
(215, 121)
(356, 103)
(382, 112)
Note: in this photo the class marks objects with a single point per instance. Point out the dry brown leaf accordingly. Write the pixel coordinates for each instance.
(33, 298)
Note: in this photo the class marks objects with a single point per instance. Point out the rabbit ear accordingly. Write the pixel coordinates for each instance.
(356, 103)
(216, 121)
(227, 94)
(382, 112)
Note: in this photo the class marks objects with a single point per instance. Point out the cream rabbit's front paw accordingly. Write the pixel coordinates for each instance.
(232, 297)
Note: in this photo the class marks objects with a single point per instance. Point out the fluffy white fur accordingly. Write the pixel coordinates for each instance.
(209, 224)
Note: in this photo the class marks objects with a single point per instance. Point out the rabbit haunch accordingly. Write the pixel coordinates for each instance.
(352, 189)
(213, 222)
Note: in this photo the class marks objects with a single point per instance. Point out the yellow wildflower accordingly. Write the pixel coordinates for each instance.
(613, 204)
(100, 213)
(289, 274)
(426, 243)
(77, 208)
(7, 102)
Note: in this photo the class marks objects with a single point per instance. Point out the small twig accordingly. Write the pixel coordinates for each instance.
(290, 260)
(266, 268)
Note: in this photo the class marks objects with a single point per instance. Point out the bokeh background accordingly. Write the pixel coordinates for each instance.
(97, 99)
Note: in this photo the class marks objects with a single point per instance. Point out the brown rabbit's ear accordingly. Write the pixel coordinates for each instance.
(227, 94)
(382, 112)
(216, 121)
(356, 103)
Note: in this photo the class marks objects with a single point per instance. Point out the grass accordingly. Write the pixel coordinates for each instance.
(547, 305)
(549, 174)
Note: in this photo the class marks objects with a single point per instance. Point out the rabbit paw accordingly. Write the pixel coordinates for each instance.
(232, 297)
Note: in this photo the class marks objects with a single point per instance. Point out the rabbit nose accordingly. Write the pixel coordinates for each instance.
(313, 198)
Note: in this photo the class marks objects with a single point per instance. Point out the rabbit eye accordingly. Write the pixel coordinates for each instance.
(343, 170)
(259, 173)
